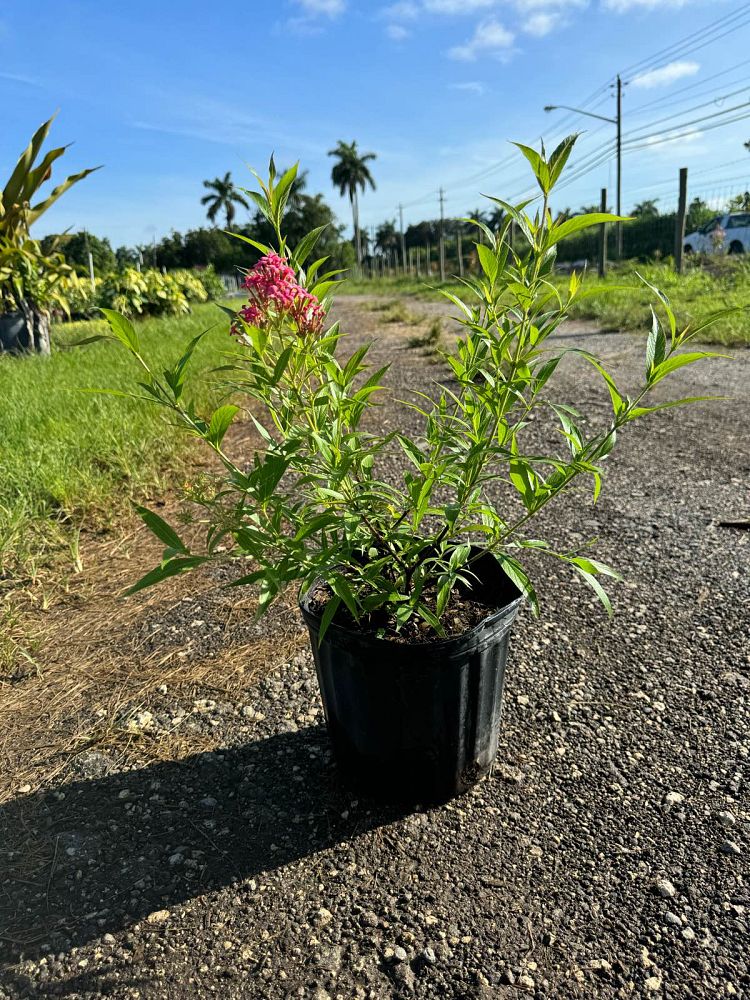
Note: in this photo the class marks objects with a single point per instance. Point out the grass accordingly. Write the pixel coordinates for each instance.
(695, 295)
(394, 311)
(73, 460)
(431, 341)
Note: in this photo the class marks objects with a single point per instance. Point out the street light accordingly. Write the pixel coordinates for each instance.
(612, 121)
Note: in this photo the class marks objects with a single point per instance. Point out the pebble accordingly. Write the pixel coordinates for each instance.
(729, 847)
(674, 798)
(140, 722)
(726, 819)
(399, 954)
(673, 919)
(665, 888)
(688, 933)
(653, 984)
(429, 955)
(158, 916)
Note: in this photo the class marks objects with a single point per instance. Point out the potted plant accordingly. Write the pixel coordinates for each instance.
(29, 278)
(409, 586)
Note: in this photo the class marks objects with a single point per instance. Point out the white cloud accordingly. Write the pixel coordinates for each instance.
(330, 8)
(29, 81)
(541, 24)
(404, 11)
(621, 6)
(659, 144)
(489, 38)
(529, 5)
(456, 6)
(469, 87)
(397, 32)
(665, 75)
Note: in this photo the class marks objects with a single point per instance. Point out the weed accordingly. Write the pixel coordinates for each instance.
(431, 341)
(398, 313)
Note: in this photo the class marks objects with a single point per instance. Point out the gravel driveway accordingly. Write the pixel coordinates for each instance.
(606, 856)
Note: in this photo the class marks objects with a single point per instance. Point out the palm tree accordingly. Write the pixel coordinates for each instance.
(350, 174)
(646, 209)
(297, 188)
(224, 196)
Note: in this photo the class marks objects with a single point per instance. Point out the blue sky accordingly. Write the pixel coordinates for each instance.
(166, 94)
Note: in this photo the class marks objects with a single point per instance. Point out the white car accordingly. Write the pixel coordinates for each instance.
(723, 234)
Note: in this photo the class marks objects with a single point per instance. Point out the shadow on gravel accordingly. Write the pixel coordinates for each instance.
(97, 856)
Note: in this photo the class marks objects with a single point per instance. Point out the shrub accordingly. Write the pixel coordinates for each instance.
(313, 506)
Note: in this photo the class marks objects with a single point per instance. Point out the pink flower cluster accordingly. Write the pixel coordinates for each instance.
(275, 293)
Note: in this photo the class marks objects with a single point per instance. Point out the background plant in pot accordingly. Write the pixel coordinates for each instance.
(30, 279)
(409, 585)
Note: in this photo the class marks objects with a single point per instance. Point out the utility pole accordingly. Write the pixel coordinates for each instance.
(403, 242)
(619, 165)
(442, 235)
(679, 236)
(603, 237)
(617, 122)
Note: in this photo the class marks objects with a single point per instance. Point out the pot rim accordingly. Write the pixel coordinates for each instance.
(469, 639)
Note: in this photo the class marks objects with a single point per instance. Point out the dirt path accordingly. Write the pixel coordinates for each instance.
(173, 828)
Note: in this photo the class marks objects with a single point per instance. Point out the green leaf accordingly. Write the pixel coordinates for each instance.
(656, 346)
(538, 165)
(220, 423)
(641, 411)
(560, 157)
(122, 329)
(328, 615)
(675, 361)
(488, 260)
(280, 366)
(665, 302)
(578, 222)
(306, 245)
(592, 581)
(169, 568)
(618, 403)
(84, 341)
(253, 243)
(515, 571)
(162, 530)
(424, 612)
(524, 479)
(342, 588)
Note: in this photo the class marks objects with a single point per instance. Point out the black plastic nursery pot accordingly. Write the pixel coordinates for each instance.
(13, 333)
(417, 722)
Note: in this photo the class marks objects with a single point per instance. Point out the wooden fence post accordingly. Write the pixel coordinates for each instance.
(679, 236)
(603, 237)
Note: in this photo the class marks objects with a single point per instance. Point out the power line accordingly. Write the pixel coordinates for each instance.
(633, 136)
(690, 86)
(709, 34)
(684, 45)
(666, 137)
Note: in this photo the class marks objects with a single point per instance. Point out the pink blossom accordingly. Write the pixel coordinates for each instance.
(275, 294)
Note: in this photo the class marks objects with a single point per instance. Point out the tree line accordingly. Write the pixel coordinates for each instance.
(351, 175)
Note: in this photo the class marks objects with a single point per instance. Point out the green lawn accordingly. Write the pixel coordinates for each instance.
(694, 296)
(71, 458)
